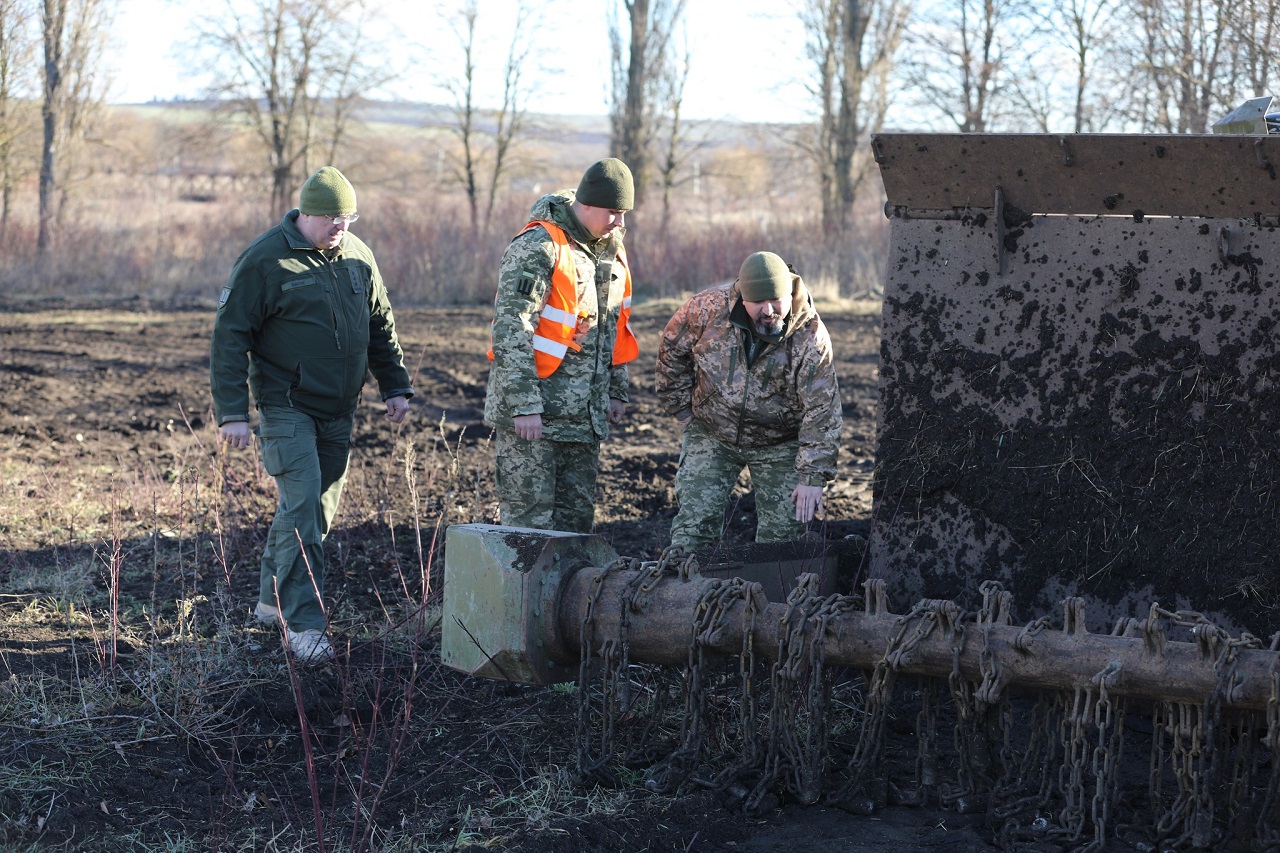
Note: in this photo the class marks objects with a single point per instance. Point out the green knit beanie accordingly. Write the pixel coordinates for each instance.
(764, 276)
(327, 193)
(607, 184)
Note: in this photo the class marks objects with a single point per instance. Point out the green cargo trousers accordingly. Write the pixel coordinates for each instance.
(546, 485)
(707, 473)
(308, 458)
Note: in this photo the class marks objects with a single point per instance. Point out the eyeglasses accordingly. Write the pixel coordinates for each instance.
(345, 219)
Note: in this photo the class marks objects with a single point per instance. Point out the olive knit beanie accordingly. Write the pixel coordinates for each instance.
(327, 193)
(607, 184)
(764, 276)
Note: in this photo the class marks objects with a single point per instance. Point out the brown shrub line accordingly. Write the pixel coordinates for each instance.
(166, 250)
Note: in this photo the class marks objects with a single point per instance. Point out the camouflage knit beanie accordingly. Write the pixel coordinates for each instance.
(764, 277)
(607, 184)
(327, 193)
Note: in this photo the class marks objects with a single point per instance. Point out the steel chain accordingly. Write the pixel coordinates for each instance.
(1267, 827)
(862, 771)
(712, 615)
(786, 758)
(1108, 720)
(592, 767)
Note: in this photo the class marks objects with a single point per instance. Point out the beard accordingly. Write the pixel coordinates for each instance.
(769, 325)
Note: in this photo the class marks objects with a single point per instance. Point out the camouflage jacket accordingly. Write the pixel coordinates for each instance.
(303, 327)
(573, 401)
(788, 393)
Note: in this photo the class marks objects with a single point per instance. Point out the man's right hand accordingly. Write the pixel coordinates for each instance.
(234, 433)
(528, 427)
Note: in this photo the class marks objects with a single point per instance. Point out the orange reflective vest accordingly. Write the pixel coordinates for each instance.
(553, 337)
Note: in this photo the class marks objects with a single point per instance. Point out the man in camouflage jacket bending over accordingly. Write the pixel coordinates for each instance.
(746, 368)
(560, 345)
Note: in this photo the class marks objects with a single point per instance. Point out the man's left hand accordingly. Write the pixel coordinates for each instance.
(397, 408)
(808, 501)
(617, 411)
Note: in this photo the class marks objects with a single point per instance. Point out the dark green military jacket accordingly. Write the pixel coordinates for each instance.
(304, 327)
(574, 400)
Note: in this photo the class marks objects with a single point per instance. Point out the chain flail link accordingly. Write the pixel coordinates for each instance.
(965, 733)
(669, 773)
(928, 773)
(1108, 721)
(864, 787)
(593, 763)
(612, 658)
(1022, 642)
(713, 616)
(996, 604)
(1267, 825)
(1021, 797)
(751, 741)
(800, 692)
(1185, 727)
(1242, 794)
(1200, 746)
(1077, 715)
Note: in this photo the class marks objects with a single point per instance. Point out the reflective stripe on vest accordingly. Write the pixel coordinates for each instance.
(558, 320)
(625, 346)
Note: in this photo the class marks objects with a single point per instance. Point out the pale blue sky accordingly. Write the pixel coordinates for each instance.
(747, 55)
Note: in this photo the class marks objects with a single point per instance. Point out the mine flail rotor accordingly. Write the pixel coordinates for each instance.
(1038, 711)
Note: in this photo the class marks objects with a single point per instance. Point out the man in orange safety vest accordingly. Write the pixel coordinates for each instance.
(561, 341)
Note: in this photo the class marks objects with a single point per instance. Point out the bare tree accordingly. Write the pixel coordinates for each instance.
(674, 149)
(638, 76)
(961, 59)
(71, 33)
(487, 137)
(1256, 27)
(85, 91)
(1065, 76)
(17, 59)
(464, 110)
(293, 70)
(1085, 28)
(1180, 71)
(350, 78)
(509, 122)
(852, 45)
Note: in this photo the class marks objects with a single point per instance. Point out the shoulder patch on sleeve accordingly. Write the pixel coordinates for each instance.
(226, 294)
(528, 283)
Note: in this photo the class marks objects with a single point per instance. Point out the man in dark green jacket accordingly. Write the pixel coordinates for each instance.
(302, 320)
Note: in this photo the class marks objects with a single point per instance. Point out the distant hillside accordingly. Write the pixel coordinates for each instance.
(553, 128)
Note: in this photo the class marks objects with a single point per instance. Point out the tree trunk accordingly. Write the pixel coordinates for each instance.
(633, 142)
(53, 19)
(282, 188)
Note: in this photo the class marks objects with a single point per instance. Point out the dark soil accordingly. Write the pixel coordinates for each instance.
(387, 748)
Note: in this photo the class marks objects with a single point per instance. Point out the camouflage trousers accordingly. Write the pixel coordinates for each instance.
(709, 470)
(308, 459)
(547, 485)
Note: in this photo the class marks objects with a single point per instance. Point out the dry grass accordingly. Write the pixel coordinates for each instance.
(140, 583)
